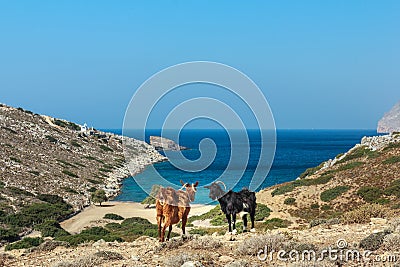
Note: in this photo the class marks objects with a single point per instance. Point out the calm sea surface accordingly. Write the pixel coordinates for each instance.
(296, 150)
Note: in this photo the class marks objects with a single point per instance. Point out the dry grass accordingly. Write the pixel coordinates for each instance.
(391, 242)
(364, 213)
(206, 242)
(252, 245)
(87, 261)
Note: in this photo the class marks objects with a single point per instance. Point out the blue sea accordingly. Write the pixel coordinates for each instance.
(296, 150)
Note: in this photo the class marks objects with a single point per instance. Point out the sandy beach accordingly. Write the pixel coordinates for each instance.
(93, 215)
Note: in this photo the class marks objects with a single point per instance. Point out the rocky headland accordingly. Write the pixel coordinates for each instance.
(390, 122)
(44, 155)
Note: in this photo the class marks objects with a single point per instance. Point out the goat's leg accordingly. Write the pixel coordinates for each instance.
(228, 217)
(234, 223)
(159, 221)
(163, 232)
(244, 218)
(252, 216)
(184, 220)
(169, 232)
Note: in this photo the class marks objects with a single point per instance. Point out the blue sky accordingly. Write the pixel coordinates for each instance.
(320, 64)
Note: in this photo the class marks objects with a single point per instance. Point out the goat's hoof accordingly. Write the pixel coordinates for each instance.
(253, 230)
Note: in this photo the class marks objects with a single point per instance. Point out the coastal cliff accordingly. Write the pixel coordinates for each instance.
(44, 155)
(390, 122)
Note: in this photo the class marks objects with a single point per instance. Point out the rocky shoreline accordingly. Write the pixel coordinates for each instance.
(132, 166)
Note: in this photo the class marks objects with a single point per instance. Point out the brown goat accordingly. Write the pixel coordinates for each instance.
(172, 206)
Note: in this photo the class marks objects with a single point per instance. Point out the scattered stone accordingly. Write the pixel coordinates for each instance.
(192, 264)
(379, 221)
(99, 243)
(225, 259)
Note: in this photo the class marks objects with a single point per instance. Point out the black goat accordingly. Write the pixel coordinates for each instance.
(233, 203)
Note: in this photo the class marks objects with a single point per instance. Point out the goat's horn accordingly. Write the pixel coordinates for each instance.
(220, 182)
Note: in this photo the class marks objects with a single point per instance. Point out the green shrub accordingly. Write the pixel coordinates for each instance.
(91, 234)
(370, 194)
(350, 166)
(314, 206)
(69, 173)
(53, 199)
(99, 196)
(289, 187)
(94, 159)
(276, 223)
(37, 213)
(360, 152)
(8, 235)
(27, 242)
(310, 171)
(2, 184)
(9, 129)
(69, 190)
(18, 191)
(75, 143)
(283, 189)
(67, 124)
(65, 163)
(79, 164)
(333, 193)
(36, 173)
(393, 189)
(392, 146)
(373, 241)
(326, 207)
(51, 139)
(113, 216)
(104, 170)
(392, 160)
(92, 189)
(15, 159)
(51, 228)
(94, 181)
(289, 201)
(208, 231)
(262, 212)
(106, 148)
(132, 228)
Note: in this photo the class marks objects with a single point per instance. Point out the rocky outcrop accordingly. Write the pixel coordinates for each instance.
(44, 155)
(162, 143)
(391, 121)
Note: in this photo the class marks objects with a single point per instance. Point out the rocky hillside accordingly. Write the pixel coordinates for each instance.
(391, 121)
(369, 173)
(44, 155)
(347, 204)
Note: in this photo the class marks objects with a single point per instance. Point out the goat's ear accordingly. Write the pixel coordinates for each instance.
(196, 184)
(182, 183)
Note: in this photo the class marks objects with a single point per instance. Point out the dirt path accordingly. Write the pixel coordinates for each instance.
(93, 215)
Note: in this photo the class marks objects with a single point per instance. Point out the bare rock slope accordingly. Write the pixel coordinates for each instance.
(391, 120)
